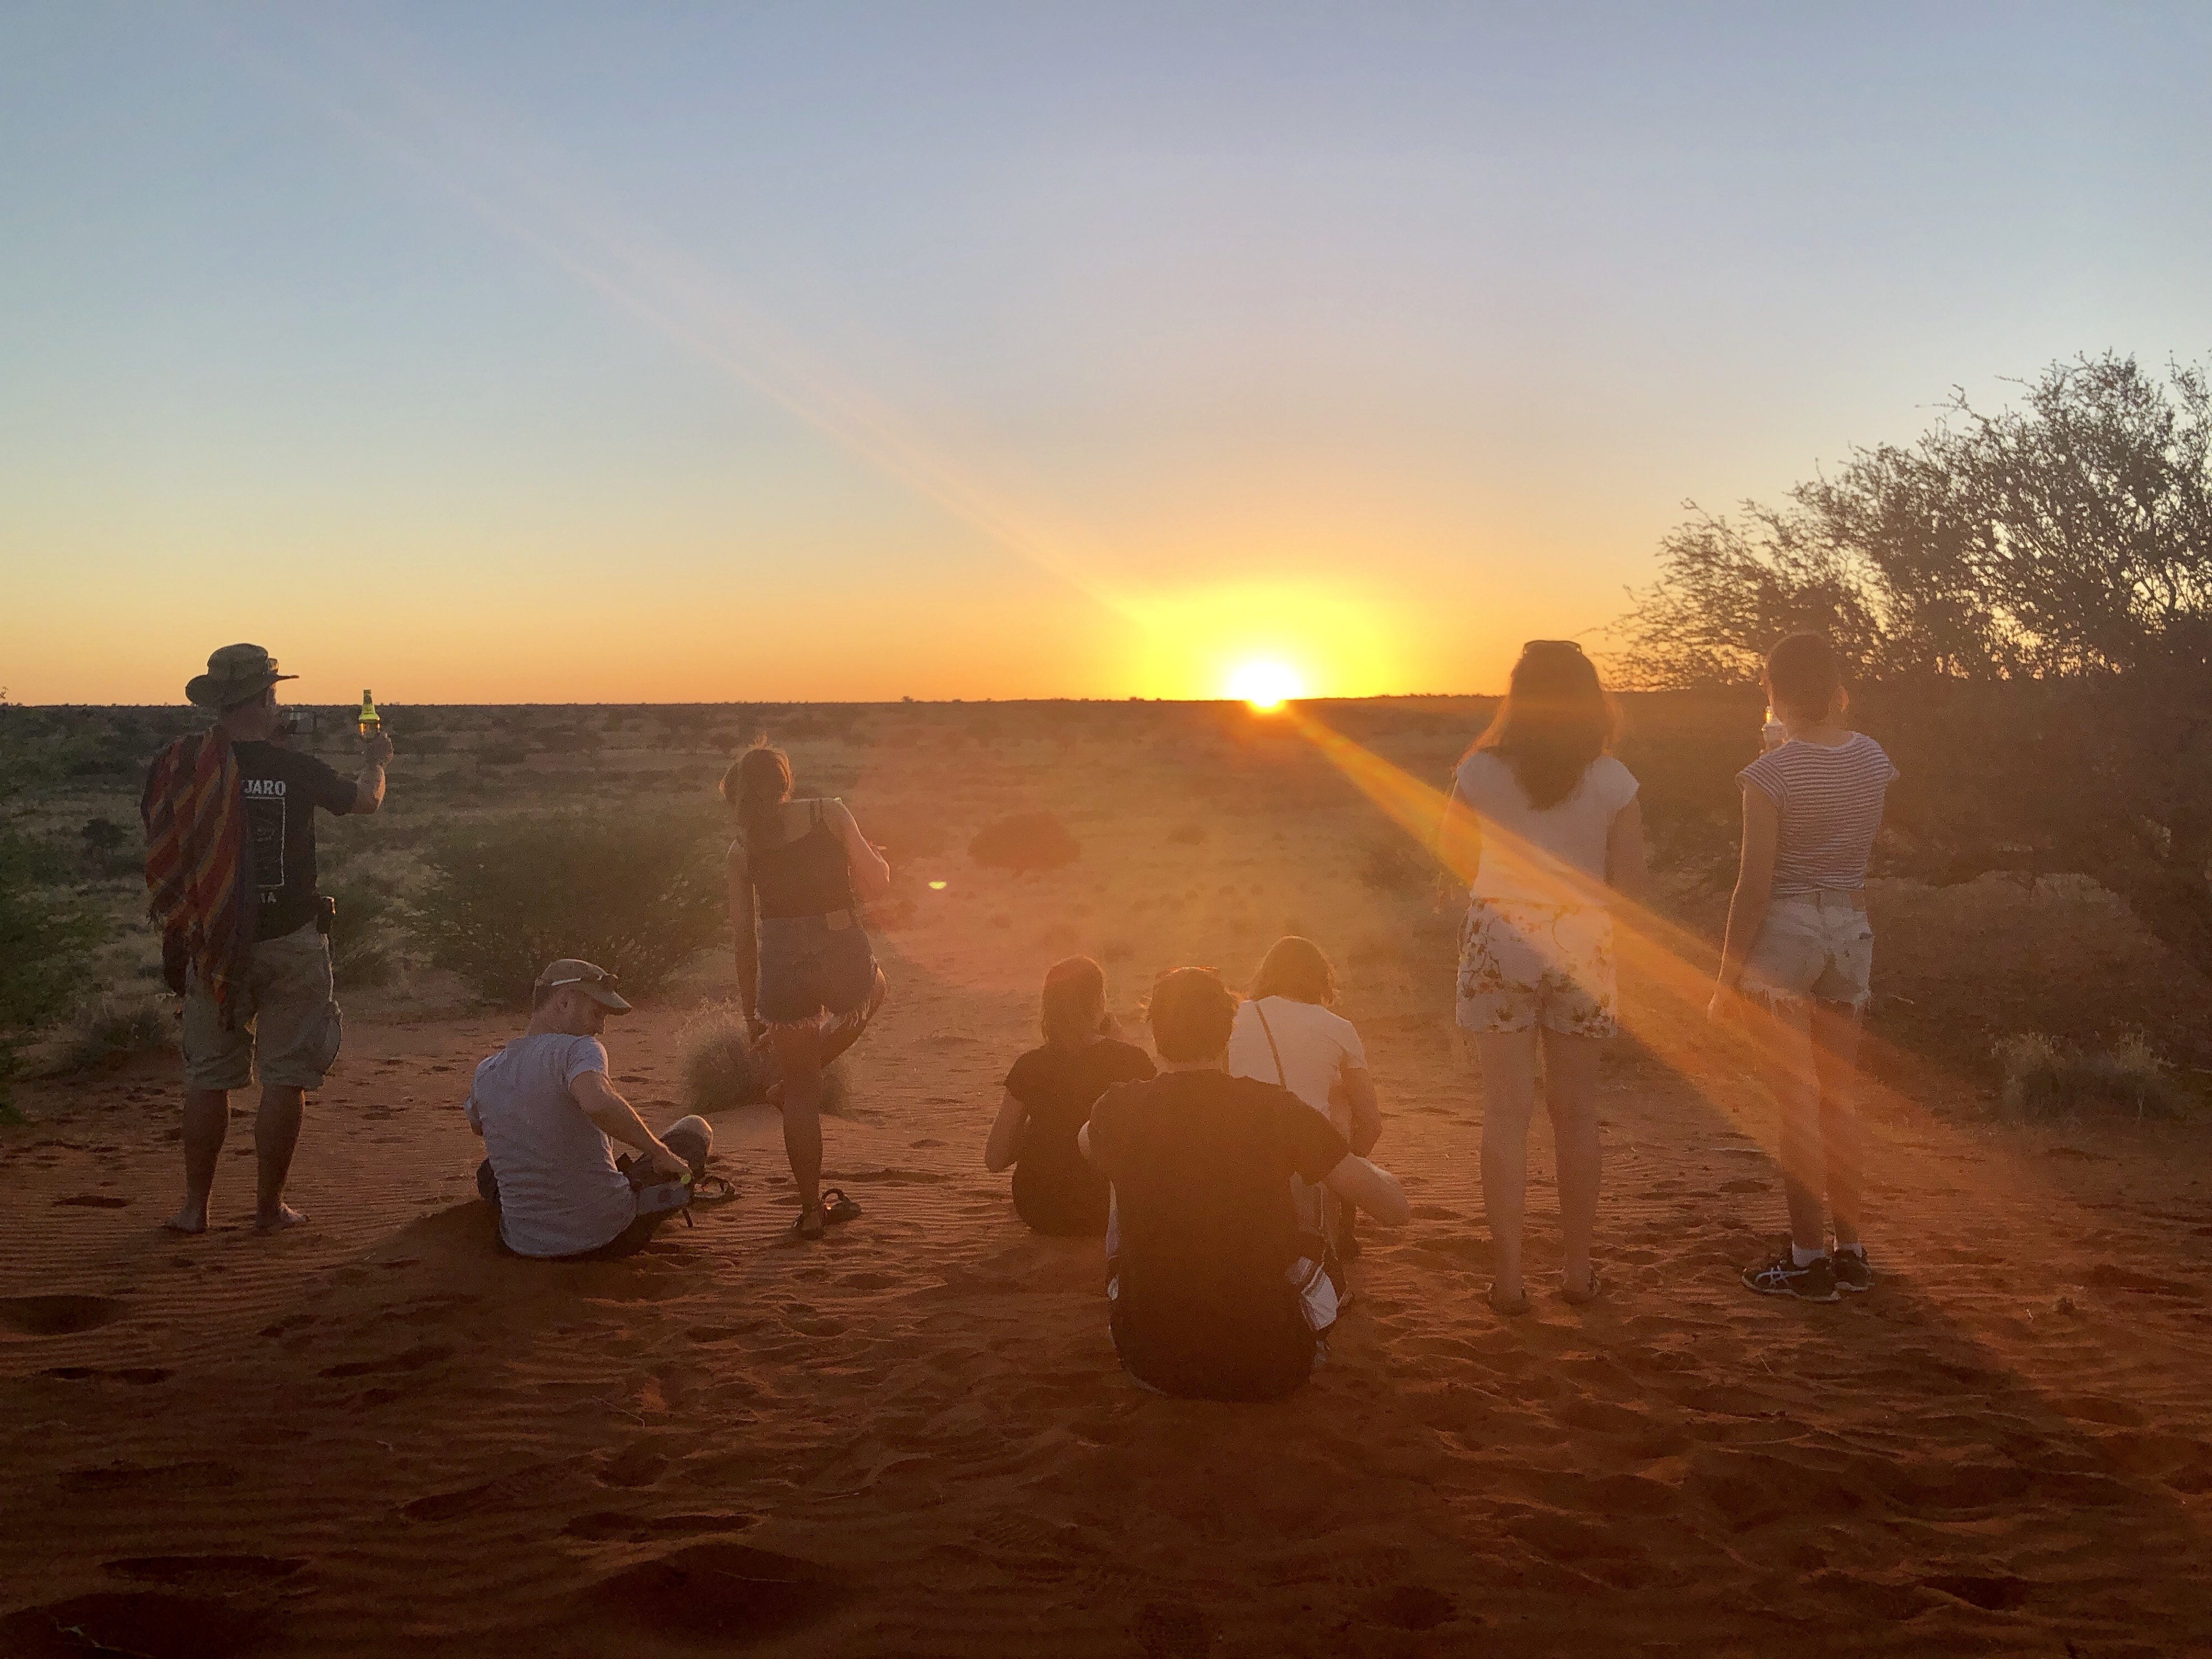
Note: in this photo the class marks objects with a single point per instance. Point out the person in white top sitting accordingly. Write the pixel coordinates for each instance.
(1546, 823)
(1288, 1033)
(547, 1113)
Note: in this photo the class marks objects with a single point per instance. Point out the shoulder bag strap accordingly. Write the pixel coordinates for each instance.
(1282, 1078)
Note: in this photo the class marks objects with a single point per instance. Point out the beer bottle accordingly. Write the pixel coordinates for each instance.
(371, 721)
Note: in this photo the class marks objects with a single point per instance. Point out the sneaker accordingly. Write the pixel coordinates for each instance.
(1851, 1271)
(1814, 1282)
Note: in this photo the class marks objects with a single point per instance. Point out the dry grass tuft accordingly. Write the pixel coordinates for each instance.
(115, 1030)
(2045, 1078)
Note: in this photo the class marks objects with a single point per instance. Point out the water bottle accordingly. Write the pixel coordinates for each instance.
(1775, 735)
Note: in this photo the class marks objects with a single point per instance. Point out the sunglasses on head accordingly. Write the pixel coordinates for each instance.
(1535, 646)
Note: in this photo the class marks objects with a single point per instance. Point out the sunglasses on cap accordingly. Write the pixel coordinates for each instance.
(601, 977)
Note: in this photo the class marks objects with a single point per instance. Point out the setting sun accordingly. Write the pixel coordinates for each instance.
(1265, 685)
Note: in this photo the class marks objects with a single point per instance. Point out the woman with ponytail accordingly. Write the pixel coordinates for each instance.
(804, 965)
(1048, 1100)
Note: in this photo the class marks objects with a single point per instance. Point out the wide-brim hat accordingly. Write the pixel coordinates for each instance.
(593, 981)
(235, 674)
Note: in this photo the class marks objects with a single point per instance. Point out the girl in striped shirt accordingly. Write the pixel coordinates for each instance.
(1799, 951)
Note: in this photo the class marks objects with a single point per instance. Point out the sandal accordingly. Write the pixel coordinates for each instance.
(836, 1208)
(1512, 1310)
(712, 1190)
(810, 1212)
(1584, 1297)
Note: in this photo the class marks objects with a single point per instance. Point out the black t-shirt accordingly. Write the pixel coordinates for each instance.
(282, 788)
(1054, 1190)
(1201, 1164)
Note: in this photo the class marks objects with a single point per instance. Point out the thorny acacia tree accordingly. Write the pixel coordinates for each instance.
(2028, 597)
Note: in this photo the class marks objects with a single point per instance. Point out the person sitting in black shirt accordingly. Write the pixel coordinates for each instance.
(1047, 1101)
(1209, 1298)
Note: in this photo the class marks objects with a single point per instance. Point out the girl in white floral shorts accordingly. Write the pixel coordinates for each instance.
(1546, 823)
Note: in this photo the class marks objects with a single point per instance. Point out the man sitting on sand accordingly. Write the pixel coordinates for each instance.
(546, 1112)
(1210, 1298)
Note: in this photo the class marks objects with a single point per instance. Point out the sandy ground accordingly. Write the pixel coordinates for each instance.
(375, 1432)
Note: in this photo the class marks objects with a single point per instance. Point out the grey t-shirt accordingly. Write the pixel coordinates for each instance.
(559, 1191)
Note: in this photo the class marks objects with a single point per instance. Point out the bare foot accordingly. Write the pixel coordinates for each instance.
(1511, 1307)
(286, 1216)
(187, 1220)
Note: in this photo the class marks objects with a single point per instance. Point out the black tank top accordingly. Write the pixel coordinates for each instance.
(806, 876)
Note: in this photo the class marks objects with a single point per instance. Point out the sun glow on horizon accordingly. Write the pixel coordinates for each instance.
(1265, 685)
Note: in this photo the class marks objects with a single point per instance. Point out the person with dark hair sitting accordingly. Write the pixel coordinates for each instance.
(1047, 1099)
(1210, 1297)
(549, 1117)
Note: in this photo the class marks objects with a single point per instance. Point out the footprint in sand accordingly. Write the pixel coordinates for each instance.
(94, 1201)
(413, 1360)
(157, 1478)
(1173, 1630)
(1412, 1607)
(220, 1574)
(714, 1594)
(148, 1625)
(59, 1315)
(609, 1526)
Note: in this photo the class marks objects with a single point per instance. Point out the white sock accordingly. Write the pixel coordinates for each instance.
(1805, 1258)
(1858, 1250)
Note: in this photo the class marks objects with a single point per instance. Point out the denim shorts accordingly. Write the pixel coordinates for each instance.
(1812, 945)
(809, 965)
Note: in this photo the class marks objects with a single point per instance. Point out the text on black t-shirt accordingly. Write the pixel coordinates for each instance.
(282, 788)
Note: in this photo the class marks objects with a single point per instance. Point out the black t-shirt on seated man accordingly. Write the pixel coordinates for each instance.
(282, 788)
(1201, 1164)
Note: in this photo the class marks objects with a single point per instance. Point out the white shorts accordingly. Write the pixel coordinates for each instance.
(1525, 965)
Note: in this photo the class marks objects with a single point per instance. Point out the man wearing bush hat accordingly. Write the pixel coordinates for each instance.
(550, 1118)
(230, 866)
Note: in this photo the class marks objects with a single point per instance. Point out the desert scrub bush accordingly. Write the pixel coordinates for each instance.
(1028, 841)
(639, 895)
(2045, 1078)
(721, 1069)
(114, 1030)
(364, 945)
(725, 1069)
(1394, 868)
(502, 754)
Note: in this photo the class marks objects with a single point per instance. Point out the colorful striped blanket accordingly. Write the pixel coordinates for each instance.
(198, 873)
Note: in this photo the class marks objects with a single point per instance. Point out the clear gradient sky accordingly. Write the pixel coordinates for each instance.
(564, 353)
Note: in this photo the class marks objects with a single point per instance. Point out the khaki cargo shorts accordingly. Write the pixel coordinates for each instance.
(285, 1019)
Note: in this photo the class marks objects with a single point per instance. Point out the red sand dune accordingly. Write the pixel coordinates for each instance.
(376, 1433)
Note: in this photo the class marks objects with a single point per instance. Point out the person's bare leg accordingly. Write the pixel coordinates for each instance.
(207, 1119)
(275, 1133)
(1509, 1096)
(1843, 1138)
(798, 1057)
(1571, 1098)
(1785, 1036)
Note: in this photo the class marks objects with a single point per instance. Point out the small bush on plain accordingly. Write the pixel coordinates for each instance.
(1027, 842)
(2045, 1078)
(114, 1030)
(638, 896)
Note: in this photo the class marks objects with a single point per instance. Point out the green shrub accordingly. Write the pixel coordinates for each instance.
(638, 896)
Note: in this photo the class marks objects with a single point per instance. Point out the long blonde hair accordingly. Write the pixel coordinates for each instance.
(757, 782)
